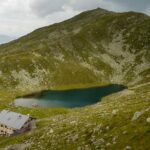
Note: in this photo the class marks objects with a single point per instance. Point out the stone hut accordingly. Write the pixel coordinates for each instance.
(12, 123)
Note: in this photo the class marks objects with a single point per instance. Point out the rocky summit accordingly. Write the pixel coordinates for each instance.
(95, 48)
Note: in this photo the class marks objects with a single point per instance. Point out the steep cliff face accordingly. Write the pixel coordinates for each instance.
(94, 48)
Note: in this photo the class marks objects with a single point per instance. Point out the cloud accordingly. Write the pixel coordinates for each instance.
(91, 4)
(147, 10)
(136, 5)
(19, 17)
(45, 7)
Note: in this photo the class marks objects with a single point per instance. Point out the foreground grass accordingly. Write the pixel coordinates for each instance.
(105, 125)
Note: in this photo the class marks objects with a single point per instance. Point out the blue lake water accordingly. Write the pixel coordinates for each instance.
(68, 98)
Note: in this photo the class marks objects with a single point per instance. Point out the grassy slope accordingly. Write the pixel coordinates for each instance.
(93, 48)
(82, 52)
(106, 124)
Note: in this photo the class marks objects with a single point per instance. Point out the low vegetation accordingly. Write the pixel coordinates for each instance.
(94, 48)
(109, 124)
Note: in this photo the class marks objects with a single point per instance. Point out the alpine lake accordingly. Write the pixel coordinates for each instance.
(67, 98)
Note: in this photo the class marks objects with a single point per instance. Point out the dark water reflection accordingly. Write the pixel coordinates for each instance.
(68, 98)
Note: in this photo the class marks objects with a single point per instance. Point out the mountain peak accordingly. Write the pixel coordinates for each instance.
(96, 11)
(95, 47)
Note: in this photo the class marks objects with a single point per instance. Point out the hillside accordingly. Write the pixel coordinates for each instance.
(95, 48)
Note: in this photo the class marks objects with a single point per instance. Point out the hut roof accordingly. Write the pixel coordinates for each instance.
(12, 119)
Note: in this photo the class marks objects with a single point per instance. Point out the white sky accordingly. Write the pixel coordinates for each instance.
(19, 17)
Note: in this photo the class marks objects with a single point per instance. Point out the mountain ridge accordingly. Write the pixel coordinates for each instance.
(96, 47)
(82, 13)
(88, 50)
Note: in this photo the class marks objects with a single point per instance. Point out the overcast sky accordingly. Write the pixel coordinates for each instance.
(19, 17)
